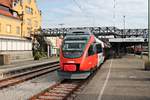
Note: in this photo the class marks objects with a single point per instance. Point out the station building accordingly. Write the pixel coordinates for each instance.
(18, 21)
(55, 43)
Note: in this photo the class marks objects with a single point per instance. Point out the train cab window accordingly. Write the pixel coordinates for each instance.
(98, 48)
(91, 50)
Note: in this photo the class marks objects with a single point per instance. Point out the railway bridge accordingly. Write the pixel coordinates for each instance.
(120, 39)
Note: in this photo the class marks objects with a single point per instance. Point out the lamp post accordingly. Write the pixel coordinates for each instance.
(149, 30)
(147, 63)
(48, 46)
(114, 13)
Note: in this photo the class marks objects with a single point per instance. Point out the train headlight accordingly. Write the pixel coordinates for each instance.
(70, 67)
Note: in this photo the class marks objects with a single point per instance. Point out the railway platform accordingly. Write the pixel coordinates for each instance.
(119, 79)
(17, 66)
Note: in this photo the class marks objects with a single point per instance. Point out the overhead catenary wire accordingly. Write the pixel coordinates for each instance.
(83, 11)
(79, 6)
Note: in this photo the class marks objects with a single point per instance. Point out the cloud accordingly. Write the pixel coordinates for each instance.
(96, 13)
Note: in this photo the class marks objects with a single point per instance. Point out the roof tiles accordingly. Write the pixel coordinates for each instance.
(7, 3)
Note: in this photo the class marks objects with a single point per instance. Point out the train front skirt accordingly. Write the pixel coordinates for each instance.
(73, 75)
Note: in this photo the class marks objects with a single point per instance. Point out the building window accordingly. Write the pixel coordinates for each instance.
(0, 27)
(29, 22)
(21, 2)
(29, 1)
(36, 24)
(18, 30)
(15, 14)
(8, 28)
(15, 2)
(29, 30)
(29, 10)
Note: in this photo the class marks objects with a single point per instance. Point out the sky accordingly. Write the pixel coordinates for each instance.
(97, 13)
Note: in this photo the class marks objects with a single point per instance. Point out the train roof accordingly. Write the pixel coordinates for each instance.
(83, 34)
(104, 45)
(79, 32)
(74, 37)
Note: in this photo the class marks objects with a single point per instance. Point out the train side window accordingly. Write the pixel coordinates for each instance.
(98, 48)
(91, 50)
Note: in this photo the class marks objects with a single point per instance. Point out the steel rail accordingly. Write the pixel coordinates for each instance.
(62, 90)
(27, 75)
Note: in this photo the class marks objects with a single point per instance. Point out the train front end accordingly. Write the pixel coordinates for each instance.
(72, 57)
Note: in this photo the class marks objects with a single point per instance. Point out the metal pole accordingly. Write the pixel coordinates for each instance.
(124, 24)
(48, 50)
(134, 49)
(141, 50)
(114, 13)
(148, 30)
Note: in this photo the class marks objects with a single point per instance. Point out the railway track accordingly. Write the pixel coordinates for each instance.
(29, 74)
(63, 90)
(59, 91)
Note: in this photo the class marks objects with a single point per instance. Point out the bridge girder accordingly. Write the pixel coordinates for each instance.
(97, 31)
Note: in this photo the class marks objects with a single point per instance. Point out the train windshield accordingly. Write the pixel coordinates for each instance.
(73, 47)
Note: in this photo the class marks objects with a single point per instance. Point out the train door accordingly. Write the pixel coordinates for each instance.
(91, 58)
(99, 52)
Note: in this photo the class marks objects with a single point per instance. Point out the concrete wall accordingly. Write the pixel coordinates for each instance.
(18, 55)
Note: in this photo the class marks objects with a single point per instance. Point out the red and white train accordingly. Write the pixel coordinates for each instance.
(80, 54)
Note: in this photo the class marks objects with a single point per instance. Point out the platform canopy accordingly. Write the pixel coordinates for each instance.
(128, 40)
